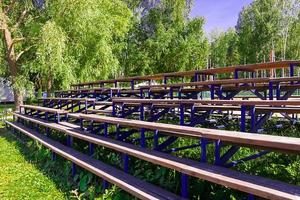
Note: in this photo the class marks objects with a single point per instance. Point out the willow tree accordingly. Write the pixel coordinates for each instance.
(93, 30)
(164, 39)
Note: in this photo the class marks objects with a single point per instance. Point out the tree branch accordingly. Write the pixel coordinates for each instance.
(22, 52)
(21, 18)
(16, 40)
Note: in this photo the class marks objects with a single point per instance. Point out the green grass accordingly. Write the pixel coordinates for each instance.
(5, 106)
(20, 179)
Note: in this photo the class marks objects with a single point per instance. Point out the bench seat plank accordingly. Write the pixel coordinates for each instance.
(263, 187)
(44, 109)
(288, 144)
(132, 185)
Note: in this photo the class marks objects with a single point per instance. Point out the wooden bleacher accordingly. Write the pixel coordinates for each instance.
(106, 96)
(251, 184)
(132, 185)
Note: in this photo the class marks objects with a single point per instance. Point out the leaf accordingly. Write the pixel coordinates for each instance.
(83, 183)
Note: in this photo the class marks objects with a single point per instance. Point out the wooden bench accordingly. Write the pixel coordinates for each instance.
(192, 73)
(279, 143)
(247, 183)
(56, 112)
(210, 102)
(132, 185)
(69, 103)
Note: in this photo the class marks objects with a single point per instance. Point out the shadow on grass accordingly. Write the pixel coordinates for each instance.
(58, 171)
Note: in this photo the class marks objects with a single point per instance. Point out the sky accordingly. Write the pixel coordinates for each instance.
(219, 14)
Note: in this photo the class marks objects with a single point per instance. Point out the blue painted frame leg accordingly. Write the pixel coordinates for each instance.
(184, 185)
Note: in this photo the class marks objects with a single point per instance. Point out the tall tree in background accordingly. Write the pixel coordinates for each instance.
(266, 25)
(224, 49)
(163, 39)
(80, 41)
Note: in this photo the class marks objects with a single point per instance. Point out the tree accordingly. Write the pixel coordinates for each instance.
(16, 18)
(224, 49)
(164, 39)
(94, 31)
(266, 25)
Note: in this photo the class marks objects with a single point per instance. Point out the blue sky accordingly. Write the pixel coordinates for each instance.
(220, 14)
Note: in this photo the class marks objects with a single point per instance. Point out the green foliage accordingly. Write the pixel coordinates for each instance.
(164, 40)
(94, 29)
(224, 49)
(267, 25)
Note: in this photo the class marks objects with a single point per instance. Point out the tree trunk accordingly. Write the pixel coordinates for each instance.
(49, 86)
(12, 61)
(18, 98)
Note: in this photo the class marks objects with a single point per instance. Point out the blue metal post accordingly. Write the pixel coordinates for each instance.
(155, 139)
(181, 114)
(270, 90)
(236, 74)
(217, 152)
(203, 143)
(253, 119)
(243, 118)
(278, 94)
(91, 149)
(143, 139)
(86, 106)
(113, 109)
(212, 92)
(292, 70)
(105, 185)
(125, 162)
(132, 84)
(184, 185)
(105, 129)
(73, 169)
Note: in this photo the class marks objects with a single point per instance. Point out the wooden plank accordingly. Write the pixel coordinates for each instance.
(228, 69)
(259, 186)
(291, 102)
(44, 109)
(279, 143)
(225, 82)
(132, 185)
(70, 99)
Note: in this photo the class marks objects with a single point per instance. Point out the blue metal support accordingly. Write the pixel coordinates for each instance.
(184, 185)
(203, 143)
(91, 149)
(132, 84)
(105, 185)
(142, 134)
(181, 117)
(218, 145)
(236, 74)
(73, 169)
(278, 93)
(253, 119)
(155, 139)
(292, 70)
(271, 90)
(125, 158)
(212, 92)
(243, 118)
(105, 130)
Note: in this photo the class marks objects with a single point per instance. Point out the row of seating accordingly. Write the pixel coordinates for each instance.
(75, 114)
(251, 184)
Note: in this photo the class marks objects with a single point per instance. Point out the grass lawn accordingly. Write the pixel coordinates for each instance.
(19, 179)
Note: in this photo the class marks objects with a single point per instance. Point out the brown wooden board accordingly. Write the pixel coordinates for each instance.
(132, 185)
(259, 186)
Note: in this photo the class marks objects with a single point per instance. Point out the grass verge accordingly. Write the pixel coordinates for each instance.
(20, 179)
